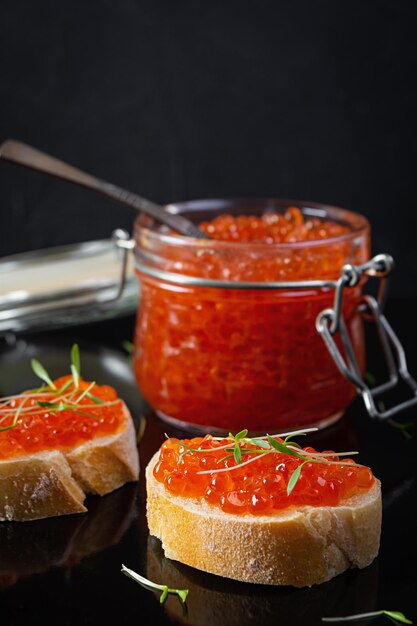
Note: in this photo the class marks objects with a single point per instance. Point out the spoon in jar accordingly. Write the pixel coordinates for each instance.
(22, 154)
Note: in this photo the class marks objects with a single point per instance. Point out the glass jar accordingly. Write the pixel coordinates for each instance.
(226, 339)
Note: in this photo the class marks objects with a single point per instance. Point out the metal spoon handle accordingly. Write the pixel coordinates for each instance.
(22, 154)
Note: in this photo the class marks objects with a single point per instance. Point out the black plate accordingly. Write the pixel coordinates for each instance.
(67, 570)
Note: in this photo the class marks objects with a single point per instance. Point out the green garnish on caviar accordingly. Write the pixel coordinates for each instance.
(64, 401)
(266, 445)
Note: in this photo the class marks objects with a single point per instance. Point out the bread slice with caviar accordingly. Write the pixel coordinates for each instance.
(60, 442)
(304, 526)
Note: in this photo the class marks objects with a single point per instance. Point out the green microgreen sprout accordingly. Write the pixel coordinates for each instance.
(396, 616)
(75, 365)
(282, 447)
(370, 379)
(294, 477)
(237, 451)
(75, 358)
(63, 406)
(64, 401)
(188, 449)
(257, 441)
(141, 429)
(15, 418)
(128, 346)
(41, 373)
(147, 584)
(64, 387)
(90, 396)
(265, 445)
(285, 448)
(404, 428)
(84, 393)
(50, 405)
(75, 377)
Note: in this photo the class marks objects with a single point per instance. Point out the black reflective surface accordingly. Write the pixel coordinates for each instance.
(67, 570)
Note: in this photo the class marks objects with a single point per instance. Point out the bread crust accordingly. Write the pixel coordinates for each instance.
(54, 482)
(300, 546)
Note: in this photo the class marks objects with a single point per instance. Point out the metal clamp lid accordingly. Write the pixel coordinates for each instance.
(331, 321)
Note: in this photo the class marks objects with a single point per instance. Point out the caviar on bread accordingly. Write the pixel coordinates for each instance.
(60, 442)
(263, 510)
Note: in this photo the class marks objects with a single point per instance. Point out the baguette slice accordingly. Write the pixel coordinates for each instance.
(300, 546)
(54, 482)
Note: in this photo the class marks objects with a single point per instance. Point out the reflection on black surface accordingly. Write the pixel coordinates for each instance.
(342, 435)
(28, 548)
(214, 600)
(94, 592)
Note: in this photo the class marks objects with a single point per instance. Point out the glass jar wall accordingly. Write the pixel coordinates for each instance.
(226, 358)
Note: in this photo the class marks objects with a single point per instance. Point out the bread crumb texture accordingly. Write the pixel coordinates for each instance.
(299, 546)
(56, 483)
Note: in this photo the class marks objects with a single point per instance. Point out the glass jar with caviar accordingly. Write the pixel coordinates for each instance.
(226, 331)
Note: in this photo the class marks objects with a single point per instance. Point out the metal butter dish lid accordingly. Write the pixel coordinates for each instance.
(67, 285)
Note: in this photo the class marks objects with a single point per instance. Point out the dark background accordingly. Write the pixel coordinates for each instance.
(187, 99)
(181, 99)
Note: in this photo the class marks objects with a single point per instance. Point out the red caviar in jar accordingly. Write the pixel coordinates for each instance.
(260, 487)
(219, 357)
(271, 228)
(27, 427)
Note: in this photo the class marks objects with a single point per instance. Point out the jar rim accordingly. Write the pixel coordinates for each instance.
(357, 223)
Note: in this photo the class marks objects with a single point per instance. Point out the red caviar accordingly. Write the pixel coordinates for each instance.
(271, 227)
(46, 428)
(219, 357)
(260, 487)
